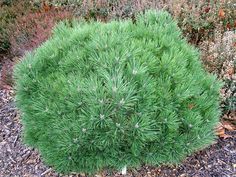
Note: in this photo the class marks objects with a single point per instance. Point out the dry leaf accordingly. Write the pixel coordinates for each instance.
(207, 9)
(46, 7)
(191, 106)
(231, 116)
(228, 26)
(98, 175)
(231, 71)
(221, 13)
(229, 126)
(226, 136)
(220, 130)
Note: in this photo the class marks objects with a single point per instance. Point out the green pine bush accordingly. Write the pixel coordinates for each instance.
(123, 93)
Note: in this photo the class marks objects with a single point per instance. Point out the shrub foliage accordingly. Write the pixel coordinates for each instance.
(124, 93)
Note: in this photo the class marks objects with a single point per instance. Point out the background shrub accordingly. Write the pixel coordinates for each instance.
(200, 19)
(9, 11)
(26, 24)
(101, 95)
(32, 29)
(106, 9)
(197, 19)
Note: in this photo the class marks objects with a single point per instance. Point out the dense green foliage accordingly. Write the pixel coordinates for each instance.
(101, 95)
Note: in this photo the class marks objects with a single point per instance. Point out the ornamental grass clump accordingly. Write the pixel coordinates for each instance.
(119, 94)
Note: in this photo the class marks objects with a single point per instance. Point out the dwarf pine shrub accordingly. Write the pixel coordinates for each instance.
(123, 93)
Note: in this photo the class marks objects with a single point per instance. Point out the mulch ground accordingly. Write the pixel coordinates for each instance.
(18, 160)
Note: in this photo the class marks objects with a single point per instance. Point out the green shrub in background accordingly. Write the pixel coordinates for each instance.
(119, 94)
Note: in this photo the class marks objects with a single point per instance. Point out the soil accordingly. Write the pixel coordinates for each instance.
(18, 160)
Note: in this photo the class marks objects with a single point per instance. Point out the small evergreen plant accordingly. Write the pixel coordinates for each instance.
(119, 94)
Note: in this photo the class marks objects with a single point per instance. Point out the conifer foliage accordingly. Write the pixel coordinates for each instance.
(123, 93)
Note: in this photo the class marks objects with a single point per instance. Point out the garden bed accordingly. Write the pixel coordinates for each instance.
(213, 34)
